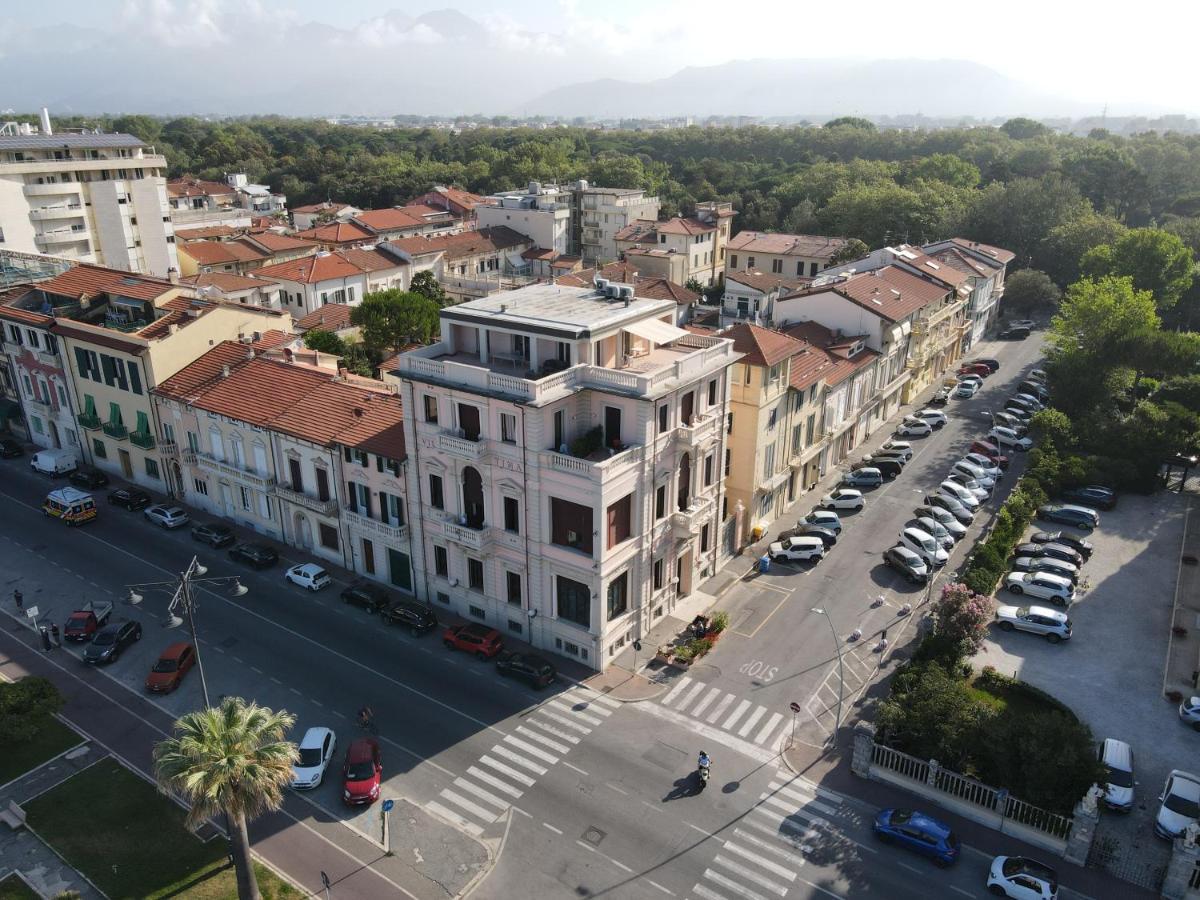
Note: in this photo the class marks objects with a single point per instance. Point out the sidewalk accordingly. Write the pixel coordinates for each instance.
(1183, 655)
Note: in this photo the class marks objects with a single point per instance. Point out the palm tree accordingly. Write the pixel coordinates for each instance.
(229, 759)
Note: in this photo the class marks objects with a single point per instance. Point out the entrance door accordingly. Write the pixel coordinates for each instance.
(303, 532)
(468, 421)
(54, 433)
(126, 465)
(368, 552)
(612, 426)
(687, 406)
(685, 481)
(472, 489)
(684, 571)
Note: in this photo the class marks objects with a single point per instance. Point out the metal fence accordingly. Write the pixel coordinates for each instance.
(1194, 880)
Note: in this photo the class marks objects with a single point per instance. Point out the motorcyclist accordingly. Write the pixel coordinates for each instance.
(704, 761)
(366, 717)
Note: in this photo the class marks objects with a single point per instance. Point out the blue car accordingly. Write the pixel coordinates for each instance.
(918, 832)
(1069, 514)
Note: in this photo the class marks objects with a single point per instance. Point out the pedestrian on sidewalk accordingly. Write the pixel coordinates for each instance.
(19, 599)
(55, 634)
(45, 639)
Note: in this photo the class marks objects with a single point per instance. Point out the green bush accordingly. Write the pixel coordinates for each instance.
(720, 621)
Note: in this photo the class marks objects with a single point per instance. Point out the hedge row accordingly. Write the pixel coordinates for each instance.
(989, 560)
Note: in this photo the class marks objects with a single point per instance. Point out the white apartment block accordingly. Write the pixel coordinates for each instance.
(564, 469)
(543, 213)
(599, 213)
(97, 198)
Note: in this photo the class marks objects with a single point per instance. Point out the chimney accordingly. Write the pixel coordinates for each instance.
(46, 129)
(225, 371)
(173, 275)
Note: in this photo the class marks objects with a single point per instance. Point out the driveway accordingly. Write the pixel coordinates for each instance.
(1111, 671)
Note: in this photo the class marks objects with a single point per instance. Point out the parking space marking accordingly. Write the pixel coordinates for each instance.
(552, 828)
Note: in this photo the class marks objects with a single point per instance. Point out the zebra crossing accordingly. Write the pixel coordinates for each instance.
(504, 773)
(715, 706)
(760, 857)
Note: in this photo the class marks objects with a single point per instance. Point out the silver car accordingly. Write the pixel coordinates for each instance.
(1189, 712)
(1053, 626)
(166, 516)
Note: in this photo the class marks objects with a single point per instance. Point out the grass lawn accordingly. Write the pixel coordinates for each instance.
(131, 841)
(13, 888)
(51, 740)
(1012, 699)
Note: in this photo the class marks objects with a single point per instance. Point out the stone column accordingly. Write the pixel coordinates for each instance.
(864, 749)
(1185, 853)
(1083, 830)
(931, 773)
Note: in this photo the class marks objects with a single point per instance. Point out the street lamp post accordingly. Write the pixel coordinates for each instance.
(837, 643)
(182, 600)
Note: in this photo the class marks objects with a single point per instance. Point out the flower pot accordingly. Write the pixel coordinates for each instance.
(1174, 696)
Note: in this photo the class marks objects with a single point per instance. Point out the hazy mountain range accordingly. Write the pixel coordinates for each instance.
(446, 63)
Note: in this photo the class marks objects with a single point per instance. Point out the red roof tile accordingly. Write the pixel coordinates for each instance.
(467, 243)
(329, 206)
(92, 280)
(890, 293)
(216, 253)
(190, 186)
(208, 231)
(684, 225)
(807, 245)
(761, 346)
(280, 243)
(330, 317)
(761, 281)
(997, 253)
(327, 266)
(337, 233)
(227, 282)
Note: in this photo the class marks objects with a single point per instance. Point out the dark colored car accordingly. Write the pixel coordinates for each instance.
(362, 772)
(416, 617)
(975, 369)
(111, 640)
(1065, 514)
(131, 498)
(889, 467)
(175, 662)
(993, 364)
(907, 564)
(89, 479)
(257, 556)
(214, 534)
(484, 642)
(918, 832)
(827, 535)
(533, 670)
(366, 595)
(10, 449)
(1056, 551)
(1018, 333)
(1096, 496)
(1079, 545)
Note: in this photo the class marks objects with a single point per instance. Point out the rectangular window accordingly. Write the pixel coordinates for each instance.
(659, 566)
(729, 423)
(151, 468)
(322, 484)
(443, 597)
(777, 266)
(660, 502)
(704, 538)
(618, 519)
(512, 515)
(329, 536)
(663, 417)
(135, 378)
(474, 574)
(245, 495)
(571, 525)
(708, 470)
(618, 596)
(733, 260)
(98, 449)
(799, 267)
(514, 626)
(513, 582)
(508, 428)
(477, 612)
(712, 392)
(728, 461)
(441, 561)
(574, 602)
(797, 439)
(750, 262)
(431, 408)
(435, 492)
(560, 430)
(200, 486)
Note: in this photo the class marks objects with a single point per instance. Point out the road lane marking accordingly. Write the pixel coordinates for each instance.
(552, 828)
(683, 682)
(476, 791)
(701, 891)
(563, 720)
(529, 748)
(518, 759)
(550, 729)
(961, 891)
(613, 787)
(704, 704)
(736, 714)
(473, 808)
(782, 803)
(563, 707)
(512, 773)
(495, 782)
(752, 721)
(655, 884)
(721, 707)
(451, 816)
(795, 782)
(774, 721)
(534, 736)
(575, 769)
(690, 696)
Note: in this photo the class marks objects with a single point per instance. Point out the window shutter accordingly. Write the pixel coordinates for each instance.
(353, 495)
(143, 423)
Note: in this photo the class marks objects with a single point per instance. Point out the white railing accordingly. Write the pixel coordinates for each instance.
(321, 507)
(384, 530)
(473, 538)
(687, 522)
(699, 431)
(221, 467)
(600, 470)
(461, 446)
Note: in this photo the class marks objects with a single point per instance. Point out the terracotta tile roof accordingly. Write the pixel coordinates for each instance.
(208, 231)
(24, 316)
(460, 198)
(930, 267)
(682, 225)
(393, 219)
(808, 367)
(807, 245)
(91, 280)
(997, 253)
(217, 253)
(227, 282)
(190, 186)
(327, 266)
(280, 243)
(546, 254)
(639, 230)
(99, 336)
(889, 292)
(330, 317)
(337, 233)
(651, 287)
(761, 346)
(372, 260)
(269, 340)
(330, 206)
(765, 283)
(839, 364)
(566, 262)
(467, 243)
(966, 262)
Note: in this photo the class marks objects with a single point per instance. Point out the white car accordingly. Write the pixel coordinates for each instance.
(166, 516)
(1042, 585)
(798, 549)
(825, 518)
(914, 427)
(308, 575)
(843, 498)
(902, 447)
(1180, 804)
(1006, 437)
(989, 468)
(932, 526)
(966, 389)
(959, 493)
(973, 471)
(1022, 879)
(316, 753)
(943, 517)
(936, 418)
(925, 546)
(1053, 626)
(1189, 712)
(980, 491)
(970, 378)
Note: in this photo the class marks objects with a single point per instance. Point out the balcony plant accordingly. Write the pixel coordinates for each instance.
(587, 443)
(684, 656)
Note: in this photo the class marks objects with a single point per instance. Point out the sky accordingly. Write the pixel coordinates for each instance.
(1098, 52)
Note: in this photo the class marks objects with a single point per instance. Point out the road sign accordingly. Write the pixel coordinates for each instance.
(31, 613)
(795, 707)
(388, 804)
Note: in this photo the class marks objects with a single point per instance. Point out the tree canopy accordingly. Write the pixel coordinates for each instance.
(1030, 291)
(324, 342)
(1156, 260)
(426, 284)
(393, 318)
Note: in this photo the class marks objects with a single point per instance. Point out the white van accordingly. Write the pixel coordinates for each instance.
(54, 462)
(1117, 759)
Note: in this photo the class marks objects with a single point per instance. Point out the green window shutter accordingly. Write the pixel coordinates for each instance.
(114, 414)
(143, 425)
(89, 405)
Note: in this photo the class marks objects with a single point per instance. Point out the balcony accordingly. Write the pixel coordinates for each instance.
(56, 189)
(221, 467)
(57, 211)
(321, 507)
(50, 360)
(596, 471)
(38, 408)
(188, 455)
(686, 523)
(62, 236)
(90, 422)
(87, 164)
(699, 430)
(392, 533)
(471, 538)
(168, 448)
(461, 447)
(116, 430)
(143, 439)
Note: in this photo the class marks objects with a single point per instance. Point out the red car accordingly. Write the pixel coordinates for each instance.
(975, 369)
(484, 642)
(991, 451)
(172, 665)
(361, 773)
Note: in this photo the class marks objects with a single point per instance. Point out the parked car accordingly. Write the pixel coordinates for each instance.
(484, 642)
(1052, 550)
(912, 427)
(54, 462)
(951, 505)
(902, 447)
(131, 498)
(111, 641)
(943, 517)
(416, 617)
(979, 490)
(987, 477)
(89, 479)
(308, 575)
(366, 594)
(907, 564)
(959, 493)
(925, 546)
(966, 390)
(985, 464)
(1041, 586)
(974, 368)
(973, 379)
(1047, 564)
(935, 529)
(1008, 420)
(936, 418)
(215, 534)
(1022, 879)
(1023, 405)
(1069, 514)
(10, 449)
(174, 662)
(797, 549)
(940, 397)
(1031, 402)
(1022, 323)
(891, 458)
(1093, 496)
(362, 772)
(257, 556)
(316, 751)
(990, 451)
(1021, 413)
(1079, 545)
(1035, 389)
(1006, 437)
(827, 535)
(1180, 804)
(843, 498)
(168, 517)
(888, 466)
(1189, 712)
(1017, 333)
(992, 364)
(1117, 759)
(1053, 626)
(867, 477)
(825, 518)
(83, 623)
(918, 832)
(1038, 375)
(533, 670)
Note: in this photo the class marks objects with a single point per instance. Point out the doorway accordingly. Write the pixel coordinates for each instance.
(612, 426)
(54, 433)
(472, 492)
(303, 532)
(126, 465)
(685, 481)
(468, 421)
(368, 554)
(687, 405)
(683, 572)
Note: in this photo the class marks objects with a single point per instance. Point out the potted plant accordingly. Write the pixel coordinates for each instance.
(663, 655)
(1174, 696)
(683, 656)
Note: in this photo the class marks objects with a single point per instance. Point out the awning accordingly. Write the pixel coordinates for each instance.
(656, 330)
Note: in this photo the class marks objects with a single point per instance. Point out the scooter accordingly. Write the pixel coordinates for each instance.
(704, 773)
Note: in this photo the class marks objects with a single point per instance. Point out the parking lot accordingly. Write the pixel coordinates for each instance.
(1111, 671)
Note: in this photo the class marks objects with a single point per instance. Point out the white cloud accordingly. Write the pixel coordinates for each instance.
(504, 32)
(386, 31)
(177, 24)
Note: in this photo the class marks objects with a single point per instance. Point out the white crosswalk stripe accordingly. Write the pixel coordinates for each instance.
(533, 751)
(563, 720)
(683, 682)
(750, 875)
(703, 704)
(726, 882)
(720, 708)
(774, 847)
(451, 816)
(767, 729)
(746, 717)
(473, 808)
(512, 773)
(493, 781)
(752, 721)
(519, 759)
(542, 739)
(691, 695)
(707, 893)
(565, 709)
(474, 790)
(792, 782)
(760, 860)
(589, 699)
(736, 714)
(558, 733)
